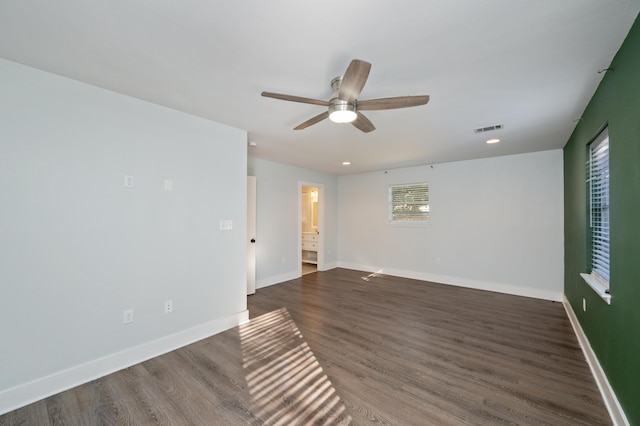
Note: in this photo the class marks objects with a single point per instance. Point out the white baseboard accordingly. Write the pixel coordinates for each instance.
(277, 279)
(460, 282)
(36, 390)
(610, 400)
(329, 265)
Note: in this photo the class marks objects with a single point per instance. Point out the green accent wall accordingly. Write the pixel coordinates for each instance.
(613, 330)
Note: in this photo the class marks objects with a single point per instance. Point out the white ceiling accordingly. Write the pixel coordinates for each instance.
(529, 65)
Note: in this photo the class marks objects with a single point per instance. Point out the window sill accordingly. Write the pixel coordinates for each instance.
(600, 289)
(409, 223)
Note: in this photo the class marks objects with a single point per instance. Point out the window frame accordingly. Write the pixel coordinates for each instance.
(393, 219)
(598, 209)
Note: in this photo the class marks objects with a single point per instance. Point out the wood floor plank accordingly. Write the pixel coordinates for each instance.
(140, 388)
(347, 347)
(33, 414)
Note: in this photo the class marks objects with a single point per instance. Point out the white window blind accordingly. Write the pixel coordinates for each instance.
(598, 179)
(409, 203)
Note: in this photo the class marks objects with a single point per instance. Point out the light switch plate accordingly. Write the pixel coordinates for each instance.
(226, 225)
(128, 181)
(168, 185)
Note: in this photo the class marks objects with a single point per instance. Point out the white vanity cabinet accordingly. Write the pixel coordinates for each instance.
(310, 247)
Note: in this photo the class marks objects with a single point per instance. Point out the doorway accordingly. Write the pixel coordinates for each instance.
(310, 226)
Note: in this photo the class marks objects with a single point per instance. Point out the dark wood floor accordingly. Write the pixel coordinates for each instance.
(344, 347)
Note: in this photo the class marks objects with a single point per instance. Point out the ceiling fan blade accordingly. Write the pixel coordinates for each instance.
(295, 98)
(392, 103)
(310, 122)
(353, 80)
(363, 123)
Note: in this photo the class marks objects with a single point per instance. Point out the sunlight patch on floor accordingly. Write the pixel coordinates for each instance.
(286, 382)
(377, 274)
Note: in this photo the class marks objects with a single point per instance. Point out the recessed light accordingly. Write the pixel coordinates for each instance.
(494, 140)
(346, 163)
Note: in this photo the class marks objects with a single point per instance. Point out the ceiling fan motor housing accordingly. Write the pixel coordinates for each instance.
(340, 111)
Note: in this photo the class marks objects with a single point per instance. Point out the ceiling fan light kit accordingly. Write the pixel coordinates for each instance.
(343, 106)
(342, 112)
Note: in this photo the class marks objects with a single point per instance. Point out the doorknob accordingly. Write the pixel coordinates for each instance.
(253, 240)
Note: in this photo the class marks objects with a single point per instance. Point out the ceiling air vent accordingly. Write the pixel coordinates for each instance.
(488, 128)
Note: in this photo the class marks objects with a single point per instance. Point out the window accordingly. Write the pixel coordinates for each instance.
(598, 191)
(409, 203)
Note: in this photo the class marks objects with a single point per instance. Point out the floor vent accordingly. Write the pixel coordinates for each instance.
(488, 128)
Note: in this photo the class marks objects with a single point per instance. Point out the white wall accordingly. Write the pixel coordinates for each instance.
(77, 248)
(278, 225)
(496, 224)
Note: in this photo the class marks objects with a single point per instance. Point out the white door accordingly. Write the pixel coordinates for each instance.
(251, 234)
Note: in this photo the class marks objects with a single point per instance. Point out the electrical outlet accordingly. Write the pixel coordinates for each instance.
(128, 316)
(168, 306)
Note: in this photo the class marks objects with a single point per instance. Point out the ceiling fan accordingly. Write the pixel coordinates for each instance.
(344, 106)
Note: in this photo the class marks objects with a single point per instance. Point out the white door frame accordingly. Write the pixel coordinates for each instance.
(321, 227)
(251, 234)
